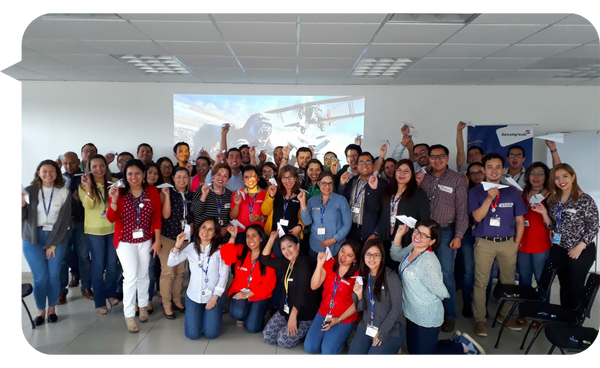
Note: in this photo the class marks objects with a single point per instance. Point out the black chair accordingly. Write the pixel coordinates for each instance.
(557, 314)
(573, 339)
(519, 294)
(26, 290)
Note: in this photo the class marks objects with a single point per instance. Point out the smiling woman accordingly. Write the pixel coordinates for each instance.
(247, 202)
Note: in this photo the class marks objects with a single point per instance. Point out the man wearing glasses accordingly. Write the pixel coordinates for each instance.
(122, 159)
(447, 193)
(351, 152)
(363, 193)
(89, 150)
(515, 159)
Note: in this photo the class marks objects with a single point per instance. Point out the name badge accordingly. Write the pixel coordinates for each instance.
(556, 238)
(571, 210)
(259, 201)
(227, 205)
(355, 209)
(321, 231)
(283, 222)
(372, 331)
(392, 220)
(206, 292)
(505, 205)
(345, 282)
(316, 209)
(242, 269)
(138, 234)
(47, 227)
(286, 309)
(103, 214)
(445, 188)
(527, 223)
(290, 279)
(495, 221)
(192, 261)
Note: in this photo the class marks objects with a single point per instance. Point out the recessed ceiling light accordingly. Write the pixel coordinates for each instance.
(380, 67)
(164, 64)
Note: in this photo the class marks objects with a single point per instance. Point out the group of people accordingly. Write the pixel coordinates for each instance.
(318, 246)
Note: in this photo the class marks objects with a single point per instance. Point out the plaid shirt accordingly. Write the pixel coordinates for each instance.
(448, 207)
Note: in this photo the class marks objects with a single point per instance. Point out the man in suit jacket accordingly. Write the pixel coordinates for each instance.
(363, 193)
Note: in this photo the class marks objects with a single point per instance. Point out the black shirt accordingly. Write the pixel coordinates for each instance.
(291, 213)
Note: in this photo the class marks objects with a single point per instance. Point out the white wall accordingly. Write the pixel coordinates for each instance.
(62, 116)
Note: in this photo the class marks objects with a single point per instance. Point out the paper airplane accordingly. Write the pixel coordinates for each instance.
(554, 137)
(360, 136)
(113, 152)
(225, 125)
(25, 194)
(273, 181)
(469, 123)
(82, 174)
(165, 185)
(117, 184)
(385, 141)
(375, 173)
(538, 198)
(329, 255)
(280, 230)
(487, 186)
(242, 194)
(423, 170)
(321, 145)
(237, 223)
(408, 125)
(411, 222)
(413, 133)
(512, 182)
(359, 279)
(304, 190)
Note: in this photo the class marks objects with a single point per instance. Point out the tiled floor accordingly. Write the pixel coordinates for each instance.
(81, 330)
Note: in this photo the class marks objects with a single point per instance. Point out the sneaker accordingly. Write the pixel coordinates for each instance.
(510, 324)
(481, 329)
(448, 325)
(472, 346)
(456, 336)
(467, 311)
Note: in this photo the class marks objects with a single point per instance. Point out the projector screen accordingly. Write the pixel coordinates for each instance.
(328, 123)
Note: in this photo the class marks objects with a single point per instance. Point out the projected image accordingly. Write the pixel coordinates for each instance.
(327, 123)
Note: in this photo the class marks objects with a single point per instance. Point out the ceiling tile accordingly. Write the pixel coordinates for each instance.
(178, 31)
(430, 73)
(38, 29)
(271, 76)
(224, 75)
(584, 51)
(208, 61)
(195, 48)
(331, 49)
(535, 74)
(493, 34)
(32, 61)
(344, 18)
(416, 33)
(400, 50)
(326, 63)
(575, 20)
(324, 73)
(464, 50)
(503, 63)
(98, 29)
(415, 81)
(562, 63)
(519, 18)
(268, 62)
(126, 47)
(170, 78)
(289, 18)
(563, 35)
(510, 81)
(263, 49)
(59, 46)
(324, 81)
(87, 59)
(118, 73)
(472, 76)
(444, 63)
(560, 81)
(25, 74)
(258, 32)
(541, 51)
(181, 17)
(76, 75)
(368, 81)
(336, 32)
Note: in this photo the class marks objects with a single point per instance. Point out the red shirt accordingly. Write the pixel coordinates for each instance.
(124, 217)
(536, 237)
(196, 183)
(261, 285)
(254, 201)
(343, 297)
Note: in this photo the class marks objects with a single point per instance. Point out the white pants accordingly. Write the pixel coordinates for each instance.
(135, 259)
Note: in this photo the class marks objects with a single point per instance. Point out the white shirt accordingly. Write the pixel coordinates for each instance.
(58, 200)
(519, 177)
(217, 272)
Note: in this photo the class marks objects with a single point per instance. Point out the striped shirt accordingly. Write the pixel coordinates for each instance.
(210, 208)
(448, 199)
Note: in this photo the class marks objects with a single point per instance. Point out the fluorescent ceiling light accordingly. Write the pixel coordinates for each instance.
(433, 18)
(163, 64)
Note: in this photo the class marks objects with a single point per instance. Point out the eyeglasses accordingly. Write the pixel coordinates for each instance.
(164, 167)
(369, 255)
(326, 183)
(537, 174)
(423, 236)
(369, 162)
(352, 156)
(512, 155)
(122, 161)
(93, 152)
(330, 159)
(438, 157)
(477, 173)
(403, 171)
(288, 178)
(422, 152)
(267, 172)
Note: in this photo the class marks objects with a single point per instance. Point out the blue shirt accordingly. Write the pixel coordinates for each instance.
(234, 183)
(510, 205)
(336, 221)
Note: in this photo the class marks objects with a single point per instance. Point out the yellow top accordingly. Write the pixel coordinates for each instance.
(95, 223)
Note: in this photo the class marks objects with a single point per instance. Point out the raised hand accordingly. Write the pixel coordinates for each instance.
(358, 140)
(286, 151)
(373, 182)
(225, 129)
(110, 157)
(232, 230)
(335, 166)
(114, 194)
(219, 158)
(272, 190)
(262, 156)
(344, 178)
(205, 190)
(189, 167)
(539, 208)
(382, 150)
(302, 197)
(402, 229)
(419, 177)
(405, 139)
(180, 240)
(237, 198)
(85, 182)
(274, 234)
(321, 257)
(165, 191)
(405, 130)
(551, 145)
(358, 290)
(492, 193)
(252, 151)
(461, 126)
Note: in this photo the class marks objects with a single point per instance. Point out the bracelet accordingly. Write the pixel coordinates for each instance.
(554, 150)
(177, 248)
(339, 319)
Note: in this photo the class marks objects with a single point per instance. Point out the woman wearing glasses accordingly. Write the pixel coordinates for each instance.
(329, 215)
(402, 197)
(166, 169)
(208, 280)
(423, 291)
(379, 296)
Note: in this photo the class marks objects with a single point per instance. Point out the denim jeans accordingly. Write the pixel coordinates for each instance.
(46, 272)
(424, 340)
(252, 313)
(104, 268)
(199, 320)
(77, 257)
(466, 252)
(530, 264)
(331, 341)
(446, 257)
(363, 344)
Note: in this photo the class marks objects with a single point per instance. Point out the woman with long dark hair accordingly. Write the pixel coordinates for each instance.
(208, 279)
(253, 283)
(379, 297)
(402, 197)
(166, 169)
(214, 200)
(45, 216)
(153, 176)
(314, 168)
(246, 203)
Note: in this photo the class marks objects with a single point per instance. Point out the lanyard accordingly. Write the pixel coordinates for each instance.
(288, 273)
(184, 202)
(251, 206)
(336, 285)
(521, 174)
(202, 268)
(102, 198)
(371, 300)
(495, 204)
(219, 199)
(250, 275)
(47, 210)
(560, 212)
(285, 204)
(323, 209)
(358, 193)
(409, 263)
(394, 203)
(138, 208)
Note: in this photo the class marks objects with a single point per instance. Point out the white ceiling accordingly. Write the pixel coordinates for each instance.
(494, 49)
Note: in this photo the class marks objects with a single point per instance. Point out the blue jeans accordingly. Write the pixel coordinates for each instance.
(331, 341)
(199, 320)
(466, 251)
(530, 264)
(252, 313)
(363, 344)
(46, 272)
(104, 258)
(77, 257)
(446, 257)
(424, 340)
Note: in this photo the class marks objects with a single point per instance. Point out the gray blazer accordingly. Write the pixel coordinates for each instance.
(29, 220)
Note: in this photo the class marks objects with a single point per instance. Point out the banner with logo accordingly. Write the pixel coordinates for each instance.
(498, 138)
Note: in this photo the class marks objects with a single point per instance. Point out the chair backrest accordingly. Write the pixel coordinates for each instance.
(589, 294)
(548, 275)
